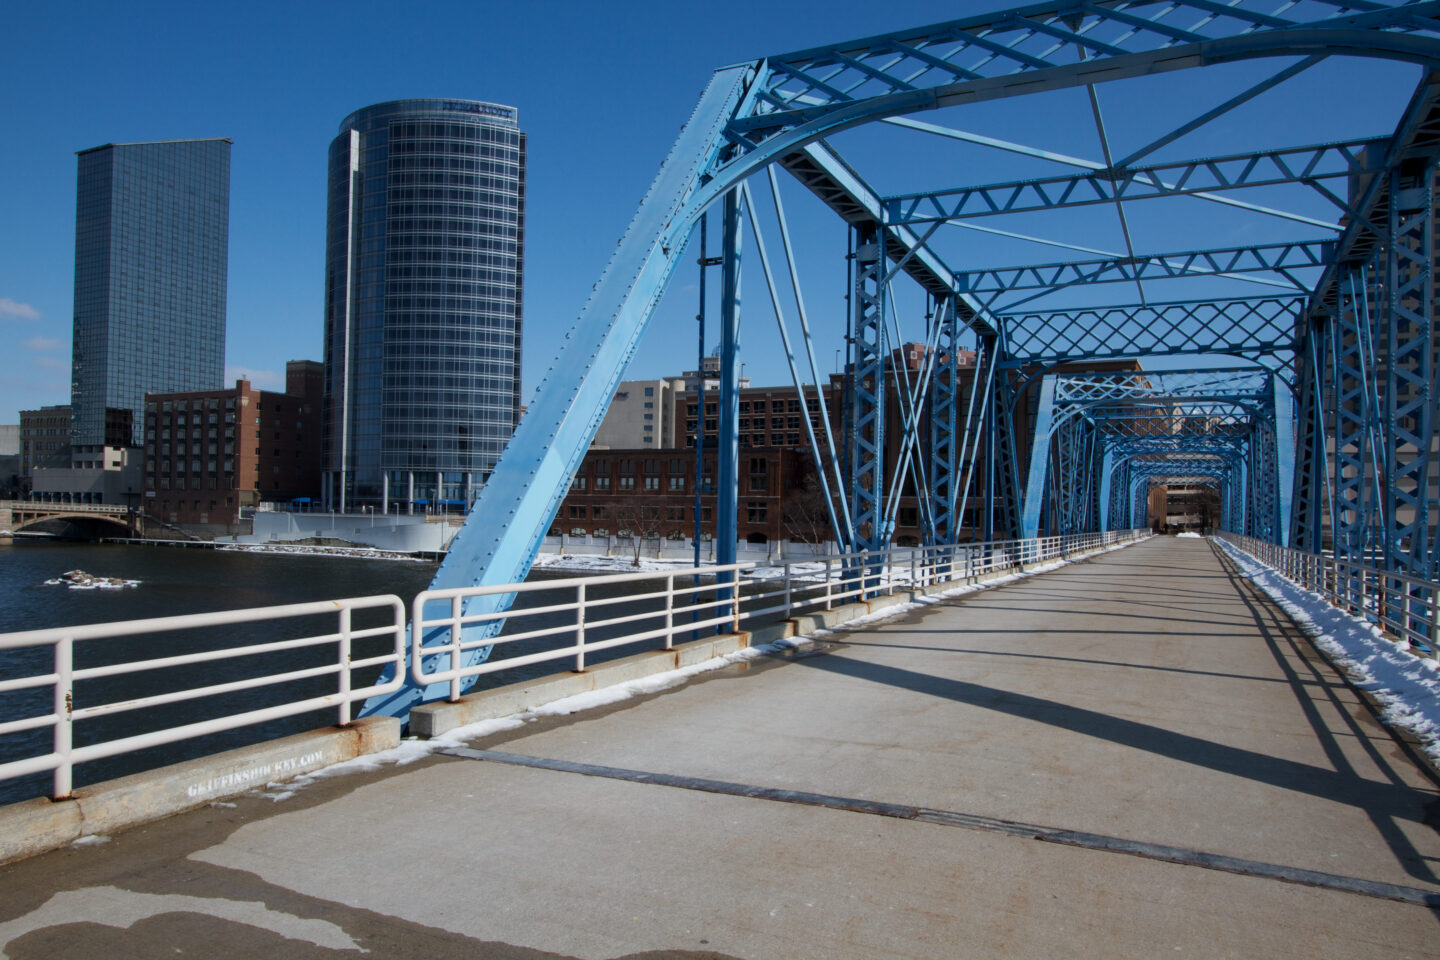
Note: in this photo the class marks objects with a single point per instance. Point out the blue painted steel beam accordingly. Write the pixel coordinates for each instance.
(1417, 135)
(1039, 459)
(1307, 165)
(830, 178)
(867, 393)
(727, 451)
(946, 459)
(515, 509)
(997, 48)
(1242, 327)
(1276, 258)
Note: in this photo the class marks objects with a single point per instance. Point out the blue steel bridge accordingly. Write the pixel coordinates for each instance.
(1294, 376)
(1135, 755)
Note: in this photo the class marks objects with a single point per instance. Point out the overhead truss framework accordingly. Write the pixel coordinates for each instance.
(1099, 434)
(1341, 318)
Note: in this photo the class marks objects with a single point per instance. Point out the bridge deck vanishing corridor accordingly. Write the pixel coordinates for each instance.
(1144, 704)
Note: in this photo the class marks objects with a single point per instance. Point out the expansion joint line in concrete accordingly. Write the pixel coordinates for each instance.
(1071, 838)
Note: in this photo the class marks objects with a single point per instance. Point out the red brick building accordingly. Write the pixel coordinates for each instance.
(211, 453)
(651, 494)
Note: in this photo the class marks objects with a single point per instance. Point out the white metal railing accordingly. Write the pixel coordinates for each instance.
(1404, 607)
(687, 602)
(46, 506)
(63, 674)
(682, 603)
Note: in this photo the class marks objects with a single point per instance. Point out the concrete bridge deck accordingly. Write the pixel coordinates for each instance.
(1134, 756)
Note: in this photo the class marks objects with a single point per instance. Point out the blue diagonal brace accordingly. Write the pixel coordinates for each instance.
(516, 507)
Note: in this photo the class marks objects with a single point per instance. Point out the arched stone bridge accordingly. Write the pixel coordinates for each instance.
(16, 515)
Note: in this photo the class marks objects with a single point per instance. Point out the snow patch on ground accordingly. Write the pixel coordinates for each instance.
(1191, 535)
(93, 840)
(1407, 687)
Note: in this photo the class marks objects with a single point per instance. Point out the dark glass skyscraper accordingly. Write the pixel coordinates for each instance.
(152, 239)
(425, 240)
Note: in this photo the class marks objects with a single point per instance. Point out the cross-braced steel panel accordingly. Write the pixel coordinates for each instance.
(1250, 328)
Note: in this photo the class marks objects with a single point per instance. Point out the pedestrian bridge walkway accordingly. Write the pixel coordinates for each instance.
(1133, 756)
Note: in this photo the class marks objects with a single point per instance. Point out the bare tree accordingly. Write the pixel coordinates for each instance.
(804, 514)
(639, 522)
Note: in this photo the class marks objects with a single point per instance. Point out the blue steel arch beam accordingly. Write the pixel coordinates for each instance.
(499, 539)
(1037, 48)
(745, 121)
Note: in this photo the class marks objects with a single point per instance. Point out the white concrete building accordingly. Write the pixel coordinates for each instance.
(641, 416)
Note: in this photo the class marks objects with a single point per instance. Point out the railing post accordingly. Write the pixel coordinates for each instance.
(64, 706)
(580, 628)
(344, 666)
(789, 605)
(457, 607)
(1434, 632)
(735, 603)
(670, 611)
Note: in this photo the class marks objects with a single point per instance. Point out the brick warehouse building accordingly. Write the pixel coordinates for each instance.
(650, 494)
(211, 453)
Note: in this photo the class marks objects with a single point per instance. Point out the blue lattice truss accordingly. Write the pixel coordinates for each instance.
(1102, 438)
(1327, 438)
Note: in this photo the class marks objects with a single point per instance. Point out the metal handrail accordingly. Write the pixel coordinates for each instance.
(63, 676)
(1405, 608)
(689, 608)
(779, 590)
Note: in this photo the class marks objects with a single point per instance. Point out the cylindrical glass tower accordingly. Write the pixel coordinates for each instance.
(424, 270)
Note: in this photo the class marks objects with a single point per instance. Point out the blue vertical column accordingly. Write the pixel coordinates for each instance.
(727, 450)
(1109, 511)
(1356, 418)
(867, 396)
(1309, 504)
(1039, 459)
(945, 467)
(1284, 427)
(1408, 377)
(991, 475)
(1006, 460)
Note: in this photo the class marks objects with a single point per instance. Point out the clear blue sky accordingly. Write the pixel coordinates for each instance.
(602, 89)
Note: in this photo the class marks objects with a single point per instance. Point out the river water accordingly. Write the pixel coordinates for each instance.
(176, 581)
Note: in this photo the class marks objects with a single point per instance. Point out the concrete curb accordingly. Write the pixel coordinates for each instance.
(433, 719)
(35, 826)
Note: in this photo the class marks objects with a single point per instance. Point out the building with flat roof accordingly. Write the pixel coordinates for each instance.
(44, 438)
(152, 226)
(425, 239)
(640, 416)
(213, 455)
